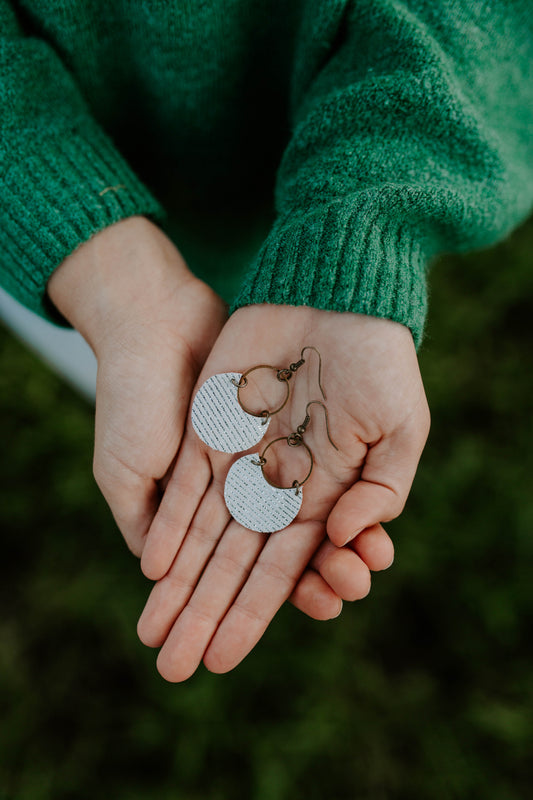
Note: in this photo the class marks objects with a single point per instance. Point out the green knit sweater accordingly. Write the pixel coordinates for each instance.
(309, 152)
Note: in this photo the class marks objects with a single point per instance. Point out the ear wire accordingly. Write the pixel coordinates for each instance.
(300, 430)
(310, 347)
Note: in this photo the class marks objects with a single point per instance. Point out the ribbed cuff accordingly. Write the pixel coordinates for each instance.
(350, 255)
(54, 198)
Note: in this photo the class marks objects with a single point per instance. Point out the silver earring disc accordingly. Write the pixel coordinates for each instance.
(254, 503)
(220, 421)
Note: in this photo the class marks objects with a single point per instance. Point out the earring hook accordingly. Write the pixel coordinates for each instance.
(296, 437)
(310, 347)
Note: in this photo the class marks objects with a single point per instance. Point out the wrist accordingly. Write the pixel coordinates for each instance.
(120, 274)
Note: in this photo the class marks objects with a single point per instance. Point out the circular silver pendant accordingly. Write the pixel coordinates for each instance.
(220, 421)
(254, 503)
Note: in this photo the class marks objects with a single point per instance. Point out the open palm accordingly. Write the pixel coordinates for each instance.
(225, 582)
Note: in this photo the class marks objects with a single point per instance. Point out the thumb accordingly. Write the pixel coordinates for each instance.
(381, 492)
(133, 498)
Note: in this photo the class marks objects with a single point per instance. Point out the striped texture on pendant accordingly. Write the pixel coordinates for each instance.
(219, 420)
(254, 503)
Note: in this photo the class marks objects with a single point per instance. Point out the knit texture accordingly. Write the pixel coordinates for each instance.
(381, 133)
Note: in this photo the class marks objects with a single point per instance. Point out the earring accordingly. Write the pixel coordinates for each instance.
(257, 503)
(222, 420)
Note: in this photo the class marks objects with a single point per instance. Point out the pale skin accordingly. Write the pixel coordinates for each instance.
(158, 333)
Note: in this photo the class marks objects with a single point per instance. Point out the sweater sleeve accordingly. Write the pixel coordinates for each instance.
(61, 178)
(411, 136)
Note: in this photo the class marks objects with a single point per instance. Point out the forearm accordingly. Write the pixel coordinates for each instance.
(411, 137)
(62, 180)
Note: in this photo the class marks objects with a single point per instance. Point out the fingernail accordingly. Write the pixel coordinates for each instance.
(352, 536)
(340, 611)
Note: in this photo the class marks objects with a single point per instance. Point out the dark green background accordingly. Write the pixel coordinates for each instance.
(422, 690)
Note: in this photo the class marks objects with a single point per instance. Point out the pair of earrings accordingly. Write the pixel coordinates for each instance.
(223, 422)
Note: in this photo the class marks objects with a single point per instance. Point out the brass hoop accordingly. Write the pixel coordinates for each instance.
(298, 443)
(243, 382)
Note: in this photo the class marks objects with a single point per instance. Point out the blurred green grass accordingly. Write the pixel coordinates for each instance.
(422, 690)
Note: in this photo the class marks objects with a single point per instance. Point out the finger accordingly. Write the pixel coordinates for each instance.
(164, 481)
(182, 497)
(349, 578)
(314, 597)
(343, 570)
(170, 594)
(222, 580)
(271, 582)
(375, 547)
(382, 490)
(133, 499)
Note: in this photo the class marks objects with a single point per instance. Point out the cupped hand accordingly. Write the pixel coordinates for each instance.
(151, 324)
(223, 583)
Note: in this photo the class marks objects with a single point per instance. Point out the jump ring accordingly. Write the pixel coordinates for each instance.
(275, 485)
